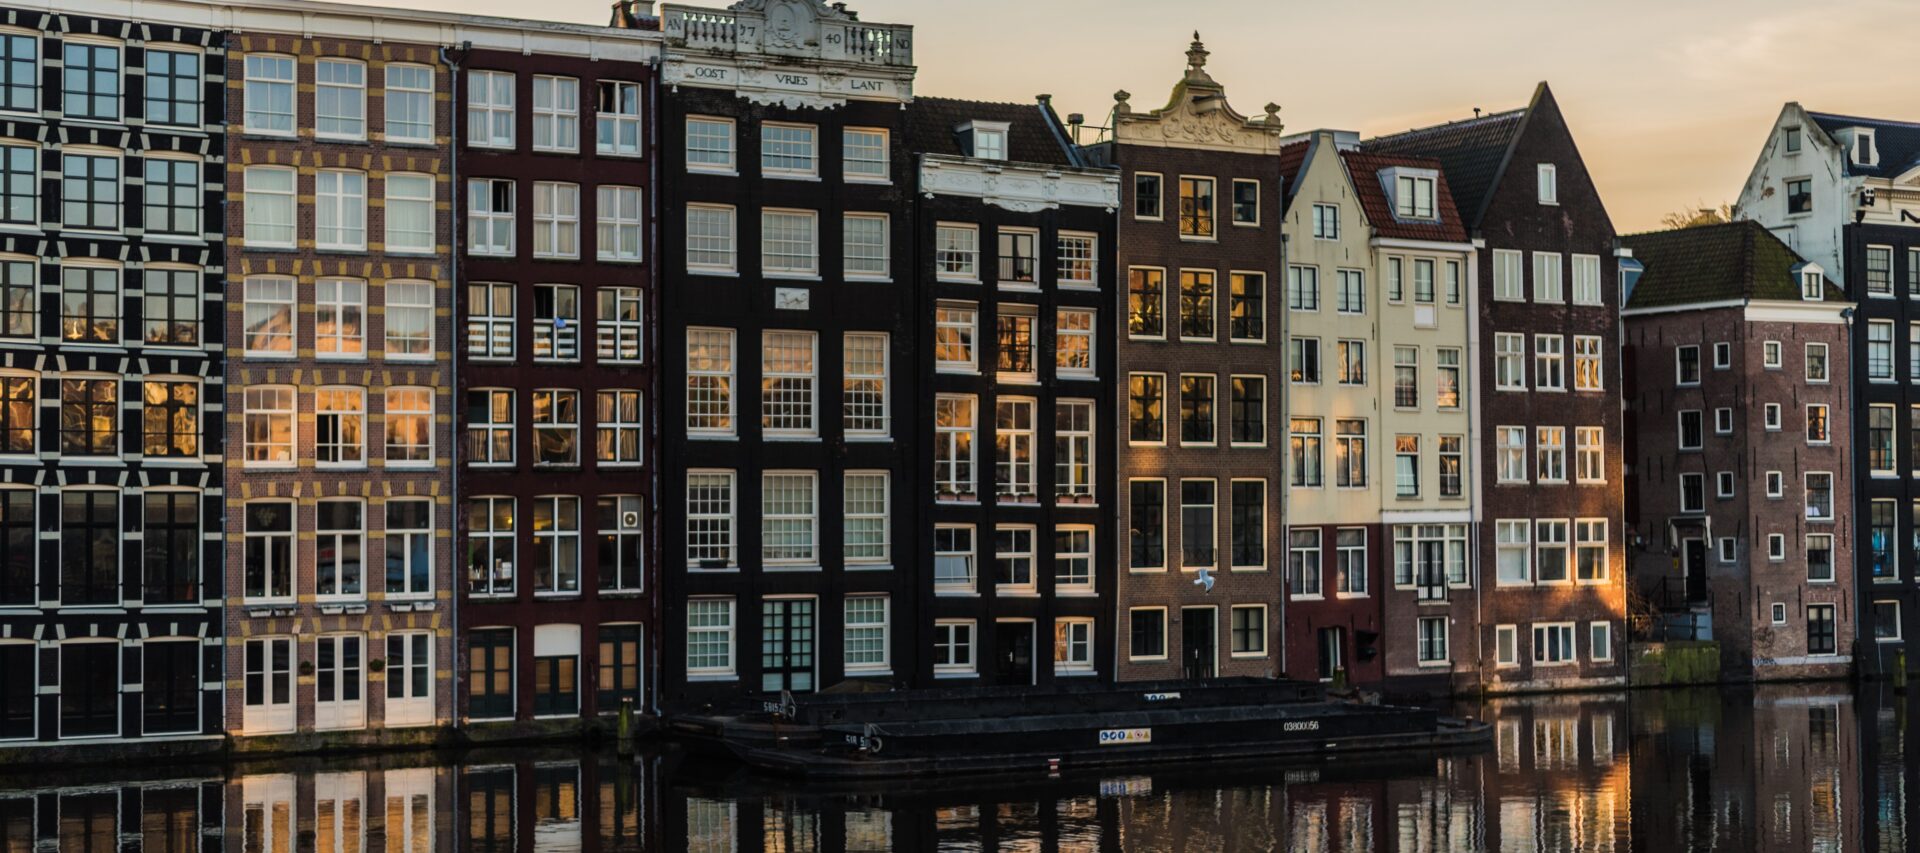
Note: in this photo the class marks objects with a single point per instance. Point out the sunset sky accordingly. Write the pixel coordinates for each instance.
(1669, 99)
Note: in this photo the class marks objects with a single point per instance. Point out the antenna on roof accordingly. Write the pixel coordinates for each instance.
(1476, 112)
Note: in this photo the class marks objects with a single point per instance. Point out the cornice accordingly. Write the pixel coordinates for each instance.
(1019, 187)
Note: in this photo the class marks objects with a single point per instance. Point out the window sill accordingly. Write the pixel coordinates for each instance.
(709, 679)
(954, 280)
(868, 567)
(948, 593)
(714, 273)
(938, 674)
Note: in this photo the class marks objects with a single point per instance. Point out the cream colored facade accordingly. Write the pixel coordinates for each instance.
(1379, 405)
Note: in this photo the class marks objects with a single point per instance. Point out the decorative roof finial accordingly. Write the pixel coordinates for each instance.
(1196, 53)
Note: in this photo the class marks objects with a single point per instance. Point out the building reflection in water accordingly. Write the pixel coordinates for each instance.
(1783, 768)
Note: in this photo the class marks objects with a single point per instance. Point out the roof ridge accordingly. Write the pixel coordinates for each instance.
(1447, 125)
(1817, 114)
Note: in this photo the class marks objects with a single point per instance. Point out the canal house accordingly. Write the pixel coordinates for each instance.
(1199, 350)
(789, 440)
(1737, 380)
(1012, 239)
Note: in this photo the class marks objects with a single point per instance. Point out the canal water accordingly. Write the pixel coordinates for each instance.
(1777, 768)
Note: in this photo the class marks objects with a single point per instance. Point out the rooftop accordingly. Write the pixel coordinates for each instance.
(1715, 263)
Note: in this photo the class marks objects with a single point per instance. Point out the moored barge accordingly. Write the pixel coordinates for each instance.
(1002, 730)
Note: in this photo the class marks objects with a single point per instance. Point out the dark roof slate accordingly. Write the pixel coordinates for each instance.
(1292, 158)
(1470, 150)
(931, 124)
(1715, 263)
(1364, 169)
(1898, 142)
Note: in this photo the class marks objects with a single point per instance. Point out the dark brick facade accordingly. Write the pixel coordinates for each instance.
(1676, 542)
(748, 303)
(559, 341)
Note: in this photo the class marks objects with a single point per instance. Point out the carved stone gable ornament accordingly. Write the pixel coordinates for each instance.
(1197, 116)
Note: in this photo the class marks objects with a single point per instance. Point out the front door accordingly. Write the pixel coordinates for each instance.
(1332, 657)
(1197, 643)
(786, 644)
(269, 686)
(339, 697)
(1694, 564)
(1013, 643)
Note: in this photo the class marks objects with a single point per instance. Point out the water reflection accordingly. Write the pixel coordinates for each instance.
(1806, 767)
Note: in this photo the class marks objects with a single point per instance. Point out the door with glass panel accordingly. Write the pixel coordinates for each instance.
(409, 676)
(269, 686)
(787, 644)
(339, 695)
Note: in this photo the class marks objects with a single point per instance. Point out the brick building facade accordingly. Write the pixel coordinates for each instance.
(556, 487)
(1549, 433)
(339, 241)
(1199, 353)
(110, 444)
(1737, 375)
(1012, 238)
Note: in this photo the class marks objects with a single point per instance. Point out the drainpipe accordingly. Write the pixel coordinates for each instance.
(1477, 505)
(453, 377)
(653, 354)
(1286, 390)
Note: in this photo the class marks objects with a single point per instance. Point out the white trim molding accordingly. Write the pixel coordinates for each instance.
(1024, 188)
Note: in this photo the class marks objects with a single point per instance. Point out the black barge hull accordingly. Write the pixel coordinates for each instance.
(878, 738)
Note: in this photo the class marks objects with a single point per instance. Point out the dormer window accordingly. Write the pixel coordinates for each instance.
(1813, 285)
(1863, 151)
(1549, 184)
(985, 140)
(1790, 139)
(1413, 192)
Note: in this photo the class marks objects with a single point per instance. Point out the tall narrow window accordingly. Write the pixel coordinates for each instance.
(1198, 534)
(169, 545)
(1146, 302)
(864, 384)
(409, 101)
(556, 545)
(1196, 304)
(90, 191)
(1073, 442)
(710, 520)
(409, 212)
(490, 109)
(621, 521)
(170, 418)
(788, 383)
(490, 546)
(341, 533)
(1074, 334)
(268, 570)
(1350, 453)
(1014, 466)
(618, 440)
(556, 113)
(269, 94)
(556, 220)
(1196, 409)
(90, 81)
(20, 73)
(1147, 530)
(172, 197)
(1146, 415)
(268, 425)
(409, 426)
(268, 208)
(556, 322)
(1247, 311)
(864, 245)
(1248, 522)
(789, 522)
(1249, 416)
(556, 427)
(617, 120)
(340, 210)
(1305, 452)
(171, 306)
(89, 417)
(340, 99)
(90, 546)
(409, 541)
(865, 527)
(490, 206)
(953, 428)
(1196, 207)
(340, 422)
(340, 318)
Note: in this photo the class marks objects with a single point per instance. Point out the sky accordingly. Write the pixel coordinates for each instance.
(1669, 100)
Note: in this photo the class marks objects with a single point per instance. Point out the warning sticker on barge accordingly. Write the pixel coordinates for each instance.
(1115, 737)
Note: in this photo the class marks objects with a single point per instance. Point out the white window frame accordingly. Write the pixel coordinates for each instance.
(719, 226)
(350, 91)
(556, 218)
(485, 110)
(804, 136)
(398, 92)
(803, 265)
(731, 150)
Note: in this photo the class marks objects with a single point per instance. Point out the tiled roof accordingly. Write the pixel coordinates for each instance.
(1365, 168)
(1898, 142)
(1470, 150)
(1292, 158)
(931, 124)
(1715, 263)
